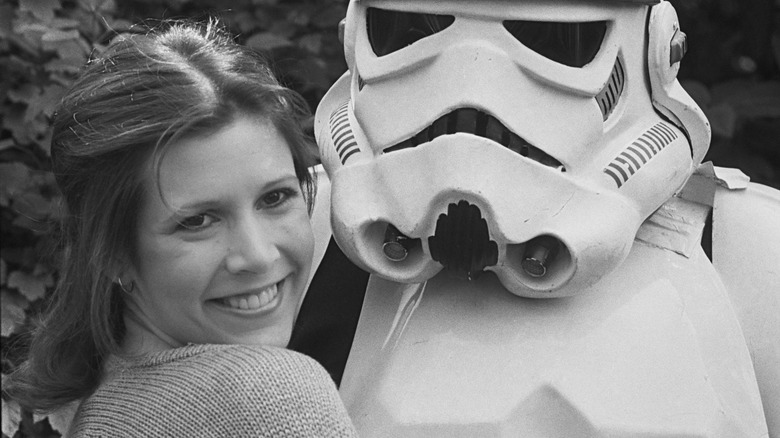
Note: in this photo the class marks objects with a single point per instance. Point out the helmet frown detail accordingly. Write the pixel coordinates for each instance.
(506, 140)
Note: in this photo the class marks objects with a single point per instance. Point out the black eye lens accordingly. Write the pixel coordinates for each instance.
(389, 31)
(572, 44)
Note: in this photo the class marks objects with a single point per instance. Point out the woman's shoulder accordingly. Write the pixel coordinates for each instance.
(237, 356)
(236, 361)
(219, 388)
(222, 369)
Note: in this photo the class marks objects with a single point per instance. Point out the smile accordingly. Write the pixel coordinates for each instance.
(253, 300)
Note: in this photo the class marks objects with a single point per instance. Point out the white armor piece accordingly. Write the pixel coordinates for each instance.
(536, 149)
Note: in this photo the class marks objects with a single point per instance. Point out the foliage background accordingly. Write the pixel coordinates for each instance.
(732, 70)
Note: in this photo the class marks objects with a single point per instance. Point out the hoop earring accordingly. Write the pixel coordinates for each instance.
(124, 289)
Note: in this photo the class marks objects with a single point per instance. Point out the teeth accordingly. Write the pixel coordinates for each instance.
(265, 298)
(252, 301)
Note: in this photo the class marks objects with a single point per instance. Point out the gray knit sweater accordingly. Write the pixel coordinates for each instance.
(215, 391)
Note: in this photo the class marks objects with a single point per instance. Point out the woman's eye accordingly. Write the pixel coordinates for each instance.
(277, 197)
(196, 222)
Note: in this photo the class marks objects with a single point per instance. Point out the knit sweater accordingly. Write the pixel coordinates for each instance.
(214, 391)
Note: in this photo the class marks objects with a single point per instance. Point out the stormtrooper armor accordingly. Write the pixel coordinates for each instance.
(523, 180)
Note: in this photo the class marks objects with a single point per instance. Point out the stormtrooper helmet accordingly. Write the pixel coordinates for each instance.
(525, 138)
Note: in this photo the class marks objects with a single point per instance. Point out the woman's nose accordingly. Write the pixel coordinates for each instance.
(252, 247)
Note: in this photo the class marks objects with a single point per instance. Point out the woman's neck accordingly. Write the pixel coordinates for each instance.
(141, 336)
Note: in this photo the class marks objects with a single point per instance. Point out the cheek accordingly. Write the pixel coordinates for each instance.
(301, 239)
(179, 270)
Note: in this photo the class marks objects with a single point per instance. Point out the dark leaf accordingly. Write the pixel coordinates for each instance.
(33, 287)
(6, 20)
(14, 180)
(12, 314)
(266, 41)
(311, 43)
(12, 412)
(41, 9)
(44, 102)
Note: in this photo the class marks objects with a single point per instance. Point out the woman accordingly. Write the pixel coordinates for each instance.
(187, 246)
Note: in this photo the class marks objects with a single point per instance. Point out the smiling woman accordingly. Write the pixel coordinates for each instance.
(187, 246)
(224, 245)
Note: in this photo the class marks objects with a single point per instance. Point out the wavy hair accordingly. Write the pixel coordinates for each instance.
(130, 102)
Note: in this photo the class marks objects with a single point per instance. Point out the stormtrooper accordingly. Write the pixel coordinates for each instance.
(548, 255)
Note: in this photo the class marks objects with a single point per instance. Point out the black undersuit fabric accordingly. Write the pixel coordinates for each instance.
(329, 314)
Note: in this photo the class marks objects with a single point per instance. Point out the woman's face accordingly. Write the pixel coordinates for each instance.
(224, 255)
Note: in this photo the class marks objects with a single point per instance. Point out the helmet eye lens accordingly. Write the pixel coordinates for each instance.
(389, 31)
(572, 44)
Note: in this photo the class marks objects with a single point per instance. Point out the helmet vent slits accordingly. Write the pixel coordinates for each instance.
(638, 153)
(610, 95)
(341, 133)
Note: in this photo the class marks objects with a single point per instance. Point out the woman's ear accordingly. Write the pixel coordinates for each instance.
(123, 275)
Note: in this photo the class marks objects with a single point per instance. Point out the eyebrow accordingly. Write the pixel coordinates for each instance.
(198, 205)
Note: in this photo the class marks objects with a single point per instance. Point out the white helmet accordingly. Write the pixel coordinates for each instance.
(526, 138)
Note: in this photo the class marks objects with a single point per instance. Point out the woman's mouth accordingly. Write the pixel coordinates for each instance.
(252, 301)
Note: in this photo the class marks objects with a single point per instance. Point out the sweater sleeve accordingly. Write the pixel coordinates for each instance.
(232, 391)
(297, 396)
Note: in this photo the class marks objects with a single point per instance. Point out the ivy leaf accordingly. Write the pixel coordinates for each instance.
(13, 120)
(266, 41)
(6, 20)
(11, 312)
(60, 419)
(41, 9)
(311, 42)
(44, 102)
(54, 35)
(328, 16)
(68, 48)
(299, 16)
(24, 93)
(7, 143)
(244, 22)
(12, 416)
(64, 65)
(33, 287)
(265, 2)
(32, 204)
(64, 23)
(14, 179)
(98, 5)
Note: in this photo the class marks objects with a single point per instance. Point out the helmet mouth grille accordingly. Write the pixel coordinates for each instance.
(462, 241)
(481, 124)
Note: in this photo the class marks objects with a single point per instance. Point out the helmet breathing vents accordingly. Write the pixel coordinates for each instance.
(341, 133)
(640, 152)
(609, 96)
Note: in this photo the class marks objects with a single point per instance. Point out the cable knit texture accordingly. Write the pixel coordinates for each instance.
(215, 391)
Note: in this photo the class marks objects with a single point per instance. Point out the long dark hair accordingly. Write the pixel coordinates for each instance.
(142, 93)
